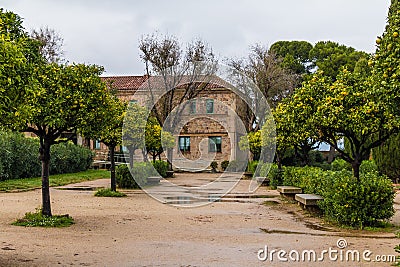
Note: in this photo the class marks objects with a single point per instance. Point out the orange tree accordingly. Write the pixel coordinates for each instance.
(18, 56)
(291, 132)
(347, 108)
(68, 99)
(111, 132)
(156, 139)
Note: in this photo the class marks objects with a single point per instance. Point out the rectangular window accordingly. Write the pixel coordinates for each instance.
(214, 144)
(210, 106)
(131, 102)
(192, 107)
(97, 144)
(184, 143)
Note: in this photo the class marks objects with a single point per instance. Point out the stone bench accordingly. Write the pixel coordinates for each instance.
(153, 180)
(307, 200)
(262, 180)
(289, 191)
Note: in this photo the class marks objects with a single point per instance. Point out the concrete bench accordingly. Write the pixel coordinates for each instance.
(153, 180)
(262, 180)
(289, 191)
(307, 200)
(284, 189)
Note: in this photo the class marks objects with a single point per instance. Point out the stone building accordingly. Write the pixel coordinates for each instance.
(207, 129)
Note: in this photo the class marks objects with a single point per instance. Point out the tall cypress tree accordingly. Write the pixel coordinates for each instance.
(386, 72)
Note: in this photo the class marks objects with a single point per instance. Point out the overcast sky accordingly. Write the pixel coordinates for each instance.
(107, 32)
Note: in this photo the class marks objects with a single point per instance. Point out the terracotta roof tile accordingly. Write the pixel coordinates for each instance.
(125, 82)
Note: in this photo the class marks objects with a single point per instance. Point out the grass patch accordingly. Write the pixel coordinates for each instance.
(55, 180)
(36, 219)
(107, 192)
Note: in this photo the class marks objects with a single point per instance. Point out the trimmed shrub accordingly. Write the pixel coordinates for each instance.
(224, 164)
(67, 158)
(347, 201)
(252, 166)
(275, 176)
(312, 180)
(214, 165)
(359, 203)
(271, 171)
(124, 178)
(19, 157)
(161, 167)
(135, 178)
(340, 164)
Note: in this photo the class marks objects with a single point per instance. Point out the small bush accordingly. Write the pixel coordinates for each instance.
(214, 165)
(271, 171)
(124, 178)
(252, 166)
(275, 176)
(347, 201)
(340, 164)
(135, 178)
(161, 167)
(36, 219)
(224, 164)
(107, 192)
(359, 203)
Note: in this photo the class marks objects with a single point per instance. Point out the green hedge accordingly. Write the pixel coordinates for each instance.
(347, 201)
(67, 158)
(19, 157)
(312, 180)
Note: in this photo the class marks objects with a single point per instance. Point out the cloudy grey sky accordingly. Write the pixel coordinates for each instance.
(107, 32)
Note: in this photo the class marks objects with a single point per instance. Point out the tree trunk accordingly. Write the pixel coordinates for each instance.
(278, 161)
(154, 157)
(356, 168)
(44, 156)
(169, 158)
(144, 153)
(112, 168)
(131, 153)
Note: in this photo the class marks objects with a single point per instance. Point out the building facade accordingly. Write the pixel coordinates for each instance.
(207, 129)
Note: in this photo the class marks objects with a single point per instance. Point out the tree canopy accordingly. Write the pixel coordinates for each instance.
(330, 57)
(68, 99)
(294, 54)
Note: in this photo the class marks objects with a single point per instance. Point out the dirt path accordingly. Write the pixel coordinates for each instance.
(140, 231)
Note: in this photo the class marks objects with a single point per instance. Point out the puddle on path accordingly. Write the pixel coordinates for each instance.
(335, 233)
(185, 200)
